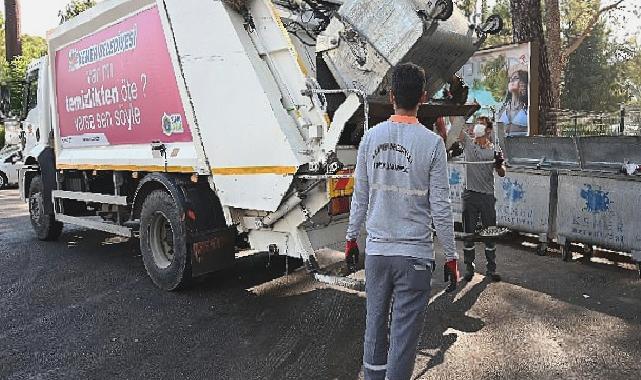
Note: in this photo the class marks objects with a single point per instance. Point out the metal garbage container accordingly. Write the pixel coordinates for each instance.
(526, 197)
(599, 204)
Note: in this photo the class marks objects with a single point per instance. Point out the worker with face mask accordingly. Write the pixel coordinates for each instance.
(478, 197)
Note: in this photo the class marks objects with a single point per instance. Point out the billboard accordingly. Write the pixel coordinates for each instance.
(500, 80)
(117, 86)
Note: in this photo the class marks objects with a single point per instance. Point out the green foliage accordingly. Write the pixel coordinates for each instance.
(632, 74)
(495, 72)
(575, 16)
(12, 74)
(33, 46)
(595, 74)
(74, 8)
(1, 136)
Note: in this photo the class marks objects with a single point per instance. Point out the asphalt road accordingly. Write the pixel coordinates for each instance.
(84, 308)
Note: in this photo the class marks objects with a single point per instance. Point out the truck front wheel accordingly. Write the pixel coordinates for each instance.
(45, 225)
(163, 242)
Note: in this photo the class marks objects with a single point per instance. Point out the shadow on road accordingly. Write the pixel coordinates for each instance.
(606, 284)
(446, 318)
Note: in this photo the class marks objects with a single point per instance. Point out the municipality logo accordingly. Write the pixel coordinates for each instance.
(513, 190)
(172, 124)
(596, 200)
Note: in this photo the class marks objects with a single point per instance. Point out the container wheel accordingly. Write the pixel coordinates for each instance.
(566, 251)
(542, 249)
(45, 225)
(163, 242)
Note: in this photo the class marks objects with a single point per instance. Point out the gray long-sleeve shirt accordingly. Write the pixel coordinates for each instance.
(479, 178)
(401, 187)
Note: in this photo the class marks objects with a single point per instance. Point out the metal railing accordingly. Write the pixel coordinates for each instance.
(625, 122)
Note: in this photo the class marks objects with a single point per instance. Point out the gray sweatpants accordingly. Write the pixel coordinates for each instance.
(398, 288)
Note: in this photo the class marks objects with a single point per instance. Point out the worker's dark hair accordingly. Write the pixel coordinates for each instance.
(486, 121)
(408, 85)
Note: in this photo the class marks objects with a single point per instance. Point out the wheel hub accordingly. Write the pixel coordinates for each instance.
(161, 240)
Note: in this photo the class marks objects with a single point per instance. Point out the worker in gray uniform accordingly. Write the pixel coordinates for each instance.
(401, 188)
(478, 197)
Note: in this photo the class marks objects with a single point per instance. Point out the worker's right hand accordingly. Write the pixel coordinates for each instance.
(450, 270)
(351, 255)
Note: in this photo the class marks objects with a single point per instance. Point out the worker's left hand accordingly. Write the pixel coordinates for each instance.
(351, 255)
(450, 270)
(498, 160)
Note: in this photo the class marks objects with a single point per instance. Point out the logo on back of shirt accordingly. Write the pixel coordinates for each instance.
(380, 162)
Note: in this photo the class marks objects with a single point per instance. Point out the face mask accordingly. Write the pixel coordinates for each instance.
(479, 130)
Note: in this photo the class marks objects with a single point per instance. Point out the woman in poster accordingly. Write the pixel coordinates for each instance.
(514, 114)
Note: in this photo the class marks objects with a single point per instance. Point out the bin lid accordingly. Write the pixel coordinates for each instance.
(609, 153)
(544, 152)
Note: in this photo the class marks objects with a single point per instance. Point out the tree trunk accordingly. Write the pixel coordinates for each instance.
(555, 54)
(527, 26)
(12, 29)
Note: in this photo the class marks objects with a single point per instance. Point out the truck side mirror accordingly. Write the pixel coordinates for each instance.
(5, 100)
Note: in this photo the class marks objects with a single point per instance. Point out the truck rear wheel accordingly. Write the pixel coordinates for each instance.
(163, 242)
(45, 225)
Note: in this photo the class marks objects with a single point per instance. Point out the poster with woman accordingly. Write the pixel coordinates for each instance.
(514, 114)
(500, 81)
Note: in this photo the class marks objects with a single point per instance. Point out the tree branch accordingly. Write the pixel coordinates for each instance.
(576, 43)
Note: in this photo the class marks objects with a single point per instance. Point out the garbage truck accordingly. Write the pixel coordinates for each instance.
(205, 127)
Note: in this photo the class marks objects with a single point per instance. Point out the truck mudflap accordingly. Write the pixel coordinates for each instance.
(212, 251)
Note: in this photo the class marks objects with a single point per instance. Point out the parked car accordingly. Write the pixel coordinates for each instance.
(10, 165)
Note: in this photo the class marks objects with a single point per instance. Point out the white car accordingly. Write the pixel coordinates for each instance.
(10, 165)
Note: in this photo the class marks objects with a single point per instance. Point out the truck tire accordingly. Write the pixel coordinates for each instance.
(3, 181)
(45, 225)
(163, 242)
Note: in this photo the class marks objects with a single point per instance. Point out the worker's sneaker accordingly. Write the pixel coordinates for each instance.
(493, 277)
(469, 272)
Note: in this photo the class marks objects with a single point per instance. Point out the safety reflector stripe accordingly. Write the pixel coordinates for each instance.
(490, 249)
(400, 190)
(373, 367)
(255, 170)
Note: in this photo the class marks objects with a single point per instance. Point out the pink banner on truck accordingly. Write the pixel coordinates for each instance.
(118, 86)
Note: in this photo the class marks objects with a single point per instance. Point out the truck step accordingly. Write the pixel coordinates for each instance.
(91, 197)
(95, 225)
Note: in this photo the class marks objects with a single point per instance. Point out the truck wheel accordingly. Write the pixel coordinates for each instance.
(163, 242)
(45, 225)
(3, 181)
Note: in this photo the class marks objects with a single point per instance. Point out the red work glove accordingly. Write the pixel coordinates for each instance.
(451, 273)
(351, 255)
